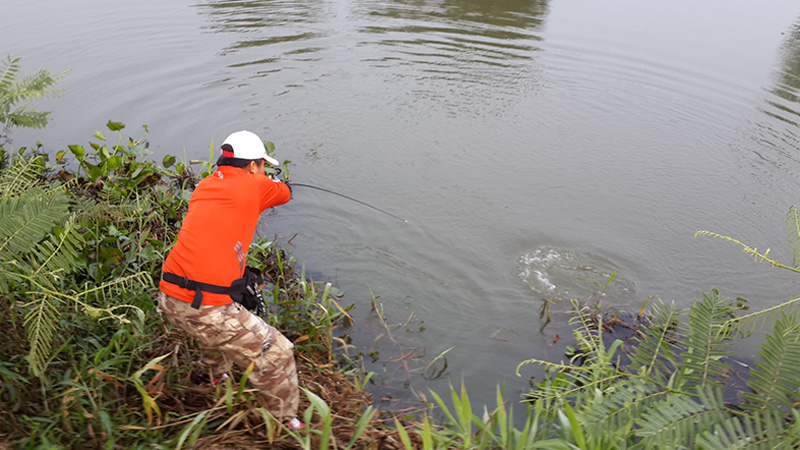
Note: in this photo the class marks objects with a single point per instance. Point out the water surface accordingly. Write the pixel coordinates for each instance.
(529, 144)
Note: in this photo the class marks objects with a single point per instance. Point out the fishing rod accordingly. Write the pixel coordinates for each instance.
(293, 184)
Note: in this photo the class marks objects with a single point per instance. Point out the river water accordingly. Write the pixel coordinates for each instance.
(532, 146)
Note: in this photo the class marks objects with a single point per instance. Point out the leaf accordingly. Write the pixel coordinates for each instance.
(28, 218)
(749, 322)
(115, 126)
(552, 444)
(148, 402)
(95, 172)
(243, 380)
(427, 434)
(270, 424)
(703, 361)
(764, 430)
(577, 431)
(608, 281)
(757, 256)
(793, 233)
(621, 406)
(655, 355)
(465, 410)
(678, 419)
(10, 70)
(191, 432)
(40, 325)
(152, 364)
(595, 282)
(325, 414)
(168, 161)
(185, 195)
(361, 425)
(229, 393)
(15, 90)
(269, 147)
(114, 162)
(100, 135)
(20, 177)
(403, 435)
(78, 151)
(443, 407)
(774, 380)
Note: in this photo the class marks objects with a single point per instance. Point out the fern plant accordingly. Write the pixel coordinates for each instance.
(16, 92)
(670, 395)
(31, 246)
(39, 245)
(749, 322)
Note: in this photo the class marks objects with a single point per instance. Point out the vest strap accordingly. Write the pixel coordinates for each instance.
(199, 287)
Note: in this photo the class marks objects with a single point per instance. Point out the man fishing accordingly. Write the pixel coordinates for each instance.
(206, 270)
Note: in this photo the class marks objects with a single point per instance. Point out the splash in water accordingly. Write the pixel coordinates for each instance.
(561, 274)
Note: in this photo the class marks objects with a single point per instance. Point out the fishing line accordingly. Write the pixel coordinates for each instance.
(293, 184)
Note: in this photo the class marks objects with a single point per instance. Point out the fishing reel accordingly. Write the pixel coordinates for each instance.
(276, 173)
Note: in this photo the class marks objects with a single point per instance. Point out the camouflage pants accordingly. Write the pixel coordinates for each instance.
(231, 332)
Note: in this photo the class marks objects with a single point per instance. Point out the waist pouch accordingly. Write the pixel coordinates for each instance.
(245, 291)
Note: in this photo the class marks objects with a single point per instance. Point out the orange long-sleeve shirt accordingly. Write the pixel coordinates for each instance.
(218, 230)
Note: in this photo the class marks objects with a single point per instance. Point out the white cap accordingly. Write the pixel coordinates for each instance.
(246, 145)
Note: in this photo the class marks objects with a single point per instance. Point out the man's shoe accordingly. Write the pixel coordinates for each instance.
(294, 424)
(203, 378)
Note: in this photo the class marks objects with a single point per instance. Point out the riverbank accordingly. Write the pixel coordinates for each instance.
(87, 362)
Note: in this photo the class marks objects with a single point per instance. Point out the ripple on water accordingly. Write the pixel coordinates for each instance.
(560, 274)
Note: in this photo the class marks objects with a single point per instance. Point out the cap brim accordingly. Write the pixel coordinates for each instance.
(271, 160)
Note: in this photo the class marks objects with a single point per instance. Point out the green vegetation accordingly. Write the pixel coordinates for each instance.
(87, 362)
(16, 92)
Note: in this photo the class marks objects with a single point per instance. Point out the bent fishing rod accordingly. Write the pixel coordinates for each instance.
(293, 184)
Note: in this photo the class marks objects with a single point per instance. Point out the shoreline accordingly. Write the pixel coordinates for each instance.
(121, 213)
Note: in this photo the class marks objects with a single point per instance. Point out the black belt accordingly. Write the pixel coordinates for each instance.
(198, 287)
